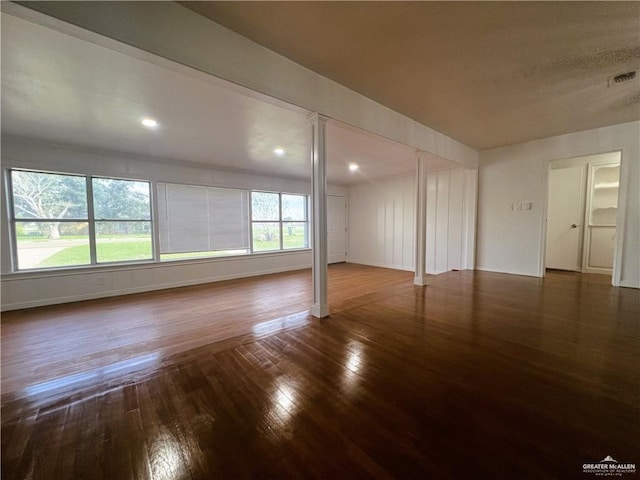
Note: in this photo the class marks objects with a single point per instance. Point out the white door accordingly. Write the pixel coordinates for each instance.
(336, 229)
(565, 218)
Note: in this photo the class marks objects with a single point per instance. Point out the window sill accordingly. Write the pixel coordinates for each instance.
(112, 267)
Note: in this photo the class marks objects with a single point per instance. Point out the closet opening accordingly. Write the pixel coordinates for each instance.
(582, 213)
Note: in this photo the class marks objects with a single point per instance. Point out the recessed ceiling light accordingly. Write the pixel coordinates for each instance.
(149, 122)
(279, 151)
(353, 167)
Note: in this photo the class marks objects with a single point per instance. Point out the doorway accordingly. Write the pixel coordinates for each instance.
(582, 212)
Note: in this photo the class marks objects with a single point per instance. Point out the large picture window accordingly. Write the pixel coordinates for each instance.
(65, 220)
(57, 223)
(278, 221)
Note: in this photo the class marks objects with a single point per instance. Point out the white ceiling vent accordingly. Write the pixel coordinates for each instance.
(622, 78)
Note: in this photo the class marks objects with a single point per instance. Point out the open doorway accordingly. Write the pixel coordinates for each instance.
(582, 212)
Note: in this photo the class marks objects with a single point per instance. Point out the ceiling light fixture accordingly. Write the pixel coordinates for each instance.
(279, 151)
(149, 122)
(353, 167)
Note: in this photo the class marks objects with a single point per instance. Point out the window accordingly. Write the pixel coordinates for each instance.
(295, 226)
(65, 220)
(265, 217)
(278, 221)
(51, 221)
(122, 220)
(57, 223)
(202, 221)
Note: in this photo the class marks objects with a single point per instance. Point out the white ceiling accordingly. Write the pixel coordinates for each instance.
(485, 73)
(59, 88)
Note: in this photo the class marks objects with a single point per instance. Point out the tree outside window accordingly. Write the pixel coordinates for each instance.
(122, 220)
(279, 221)
(63, 220)
(46, 196)
(51, 220)
(295, 226)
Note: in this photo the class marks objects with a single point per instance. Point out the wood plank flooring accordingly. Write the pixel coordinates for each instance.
(478, 375)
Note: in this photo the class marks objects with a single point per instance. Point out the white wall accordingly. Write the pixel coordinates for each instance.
(451, 206)
(28, 289)
(512, 241)
(382, 221)
(25, 290)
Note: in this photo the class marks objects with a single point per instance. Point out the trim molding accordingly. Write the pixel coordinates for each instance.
(144, 289)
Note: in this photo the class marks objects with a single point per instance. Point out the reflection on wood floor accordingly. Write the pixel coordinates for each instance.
(478, 375)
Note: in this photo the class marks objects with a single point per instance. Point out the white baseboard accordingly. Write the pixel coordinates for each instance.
(143, 289)
(381, 265)
(627, 284)
(508, 272)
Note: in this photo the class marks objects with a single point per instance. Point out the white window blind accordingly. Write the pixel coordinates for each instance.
(200, 219)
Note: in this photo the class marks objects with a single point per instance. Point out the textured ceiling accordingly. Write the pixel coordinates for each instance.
(485, 73)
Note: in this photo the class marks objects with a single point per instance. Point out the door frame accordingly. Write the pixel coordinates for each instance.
(621, 213)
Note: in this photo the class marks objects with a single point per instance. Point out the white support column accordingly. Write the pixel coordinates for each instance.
(320, 307)
(421, 220)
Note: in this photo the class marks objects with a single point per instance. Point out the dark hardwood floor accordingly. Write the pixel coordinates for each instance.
(478, 375)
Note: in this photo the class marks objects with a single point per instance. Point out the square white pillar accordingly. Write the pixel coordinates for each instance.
(421, 221)
(320, 307)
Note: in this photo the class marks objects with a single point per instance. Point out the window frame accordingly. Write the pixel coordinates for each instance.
(93, 233)
(153, 221)
(280, 222)
(90, 220)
